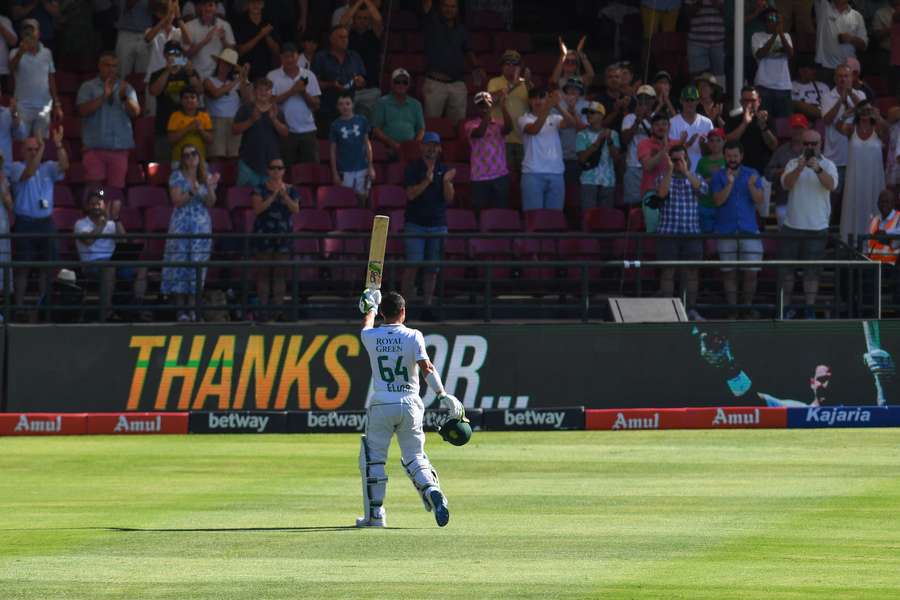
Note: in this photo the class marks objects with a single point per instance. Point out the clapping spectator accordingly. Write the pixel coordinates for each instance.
(488, 170)
(297, 92)
(572, 63)
(351, 150)
(807, 93)
(840, 34)
(690, 128)
(11, 127)
(865, 171)
(339, 70)
(573, 101)
(446, 51)
(189, 126)
(8, 40)
(784, 154)
(209, 35)
(711, 163)
(398, 117)
(131, 48)
(93, 245)
(706, 37)
(653, 152)
(662, 83)
(106, 106)
(169, 27)
(193, 192)
(774, 49)
(809, 180)
(33, 183)
(543, 170)
(190, 10)
(751, 127)
(290, 18)
(509, 92)
(224, 92)
(617, 99)
(597, 150)
(636, 128)
(166, 86)
(274, 203)
(257, 40)
(838, 106)
(261, 127)
(309, 44)
(710, 105)
(366, 30)
(32, 66)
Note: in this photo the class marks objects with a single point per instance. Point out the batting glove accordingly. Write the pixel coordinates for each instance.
(453, 406)
(369, 301)
(880, 362)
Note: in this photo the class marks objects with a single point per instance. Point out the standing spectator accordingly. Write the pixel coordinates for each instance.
(597, 151)
(193, 192)
(653, 152)
(366, 31)
(429, 188)
(290, 18)
(840, 34)
(169, 27)
(785, 153)
(106, 106)
(33, 182)
(8, 39)
(488, 169)
(572, 63)
(446, 50)
(706, 37)
(710, 105)
(838, 106)
(796, 12)
(636, 128)
(351, 150)
(857, 82)
(189, 126)
(32, 66)
(711, 163)
(99, 220)
(43, 14)
(257, 41)
(752, 129)
(865, 171)
(297, 91)
(5, 245)
(166, 86)
(398, 117)
(209, 35)
(689, 127)
(509, 92)
(886, 222)
(573, 101)
(807, 93)
(892, 159)
(543, 169)
(662, 83)
(657, 16)
(224, 91)
(809, 180)
(754, 22)
(274, 203)
(774, 49)
(339, 70)
(882, 25)
(310, 45)
(678, 188)
(738, 191)
(190, 10)
(261, 127)
(11, 127)
(131, 48)
(616, 98)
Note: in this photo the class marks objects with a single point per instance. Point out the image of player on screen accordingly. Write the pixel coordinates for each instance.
(715, 349)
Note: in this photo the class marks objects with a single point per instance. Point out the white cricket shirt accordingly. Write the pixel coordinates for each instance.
(394, 351)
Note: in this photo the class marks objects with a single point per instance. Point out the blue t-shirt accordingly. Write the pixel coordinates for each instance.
(33, 197)
(350, 136)
(738, 214)
(430, 208)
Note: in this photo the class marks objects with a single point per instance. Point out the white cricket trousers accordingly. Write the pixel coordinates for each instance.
(403, 418)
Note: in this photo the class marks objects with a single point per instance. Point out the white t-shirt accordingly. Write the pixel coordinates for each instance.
(190, 10)
(543, 152)
(837, 146)
(156, 60)
(809, 202)
(4, 47)
(640, 135)
(102, 248)
(811, 93)
(297, 114)
(701, 126)
(394, 351)
(773, 71)
(32, 78)
(203, 60)
(829, 52)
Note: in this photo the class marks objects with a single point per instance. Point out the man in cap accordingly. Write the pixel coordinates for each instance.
(398, 117)
(166, 86)
(296, 91)
(597, 150)
(106, 106)
(210, 35)
(99, 220)
(573, 101)
(509, 90)
(786, 152)
(635, 129)
(773, 49)
(488, 170)
(429, 188)
(689, 127)
(32, 66)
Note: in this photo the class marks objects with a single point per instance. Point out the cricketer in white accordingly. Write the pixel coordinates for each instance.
(395, 352)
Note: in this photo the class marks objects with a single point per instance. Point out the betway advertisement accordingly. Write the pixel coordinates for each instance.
(251, 369)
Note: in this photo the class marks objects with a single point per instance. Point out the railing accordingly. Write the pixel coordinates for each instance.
(495, 286)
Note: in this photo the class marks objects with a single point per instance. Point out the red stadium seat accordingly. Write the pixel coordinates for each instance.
(396, 172)
(146, 196)
(144, 139)
(311, 220)
(636, 219)
(227, 169)
(396, 246)
(67, 82)
(487, 20)
(135, 174)
(306, 197)
(513, 40)
(414, 63)
(415, 42)
(221, 220)
(386, 197)
(459, 220)
(156, 219)
(500, 219)
(65, 218)
(444, 127)
(75, 173)
(131, 219)
(603, 218)
(349, 220)
(333, 196)
(480, 42)
(63, 197)
(404, 20)
(311, 174)
(71, 127)
(159, 173)
(238, 197)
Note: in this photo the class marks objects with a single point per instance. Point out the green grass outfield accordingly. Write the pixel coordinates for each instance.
(680, 514)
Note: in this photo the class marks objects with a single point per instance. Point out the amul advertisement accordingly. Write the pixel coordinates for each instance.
(243, 367)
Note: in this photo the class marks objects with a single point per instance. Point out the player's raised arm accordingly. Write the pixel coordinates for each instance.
(368, 306)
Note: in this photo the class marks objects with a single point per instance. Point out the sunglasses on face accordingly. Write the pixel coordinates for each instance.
(191, 154)
(812, 144)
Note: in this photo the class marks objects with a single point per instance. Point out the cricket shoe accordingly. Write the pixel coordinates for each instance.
(380, 520)
(441, 513)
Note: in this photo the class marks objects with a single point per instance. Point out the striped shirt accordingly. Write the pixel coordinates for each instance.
(707, 27)
(678, 213)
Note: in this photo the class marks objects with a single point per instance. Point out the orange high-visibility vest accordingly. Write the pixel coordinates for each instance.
(878, 250)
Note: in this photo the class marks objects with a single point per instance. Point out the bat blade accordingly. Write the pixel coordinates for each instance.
(872, 332)
(377, 245)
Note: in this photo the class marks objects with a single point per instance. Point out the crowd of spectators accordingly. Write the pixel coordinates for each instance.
(253, 83)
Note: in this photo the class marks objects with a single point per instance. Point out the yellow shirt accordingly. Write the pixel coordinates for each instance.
(516, 104)
(179, 120)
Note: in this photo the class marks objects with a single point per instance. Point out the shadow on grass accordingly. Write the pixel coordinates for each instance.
(204, 529)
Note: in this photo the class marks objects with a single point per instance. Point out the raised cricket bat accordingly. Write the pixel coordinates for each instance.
(376, 252)
(873, 342)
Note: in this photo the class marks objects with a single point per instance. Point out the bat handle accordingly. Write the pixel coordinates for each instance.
(879, 389)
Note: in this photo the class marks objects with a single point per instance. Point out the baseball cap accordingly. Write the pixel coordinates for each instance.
(594, 107)
(172, 48)
(690, 92)
(431, 137)
(646, 90)
(399, 73)
(511, 56)
(574, 82)
(798, 120)
(33, 23)
(662, 75)
(717, 132)
(484, 98)
(707, 78)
